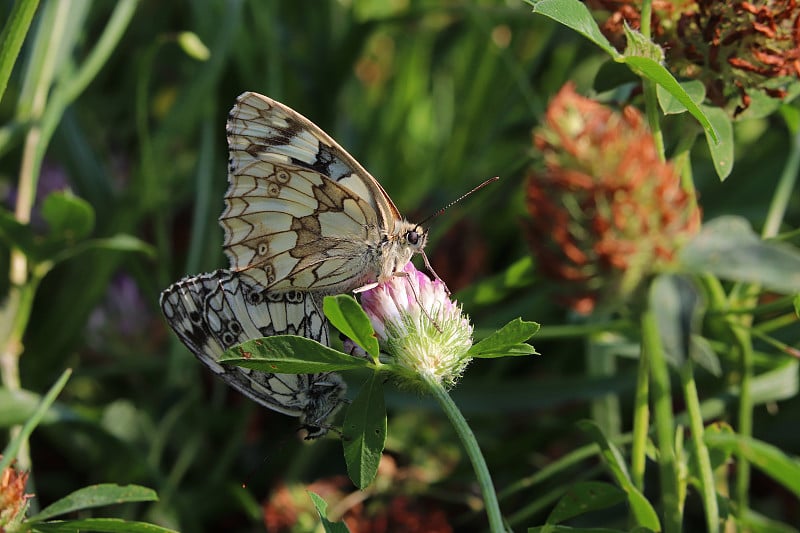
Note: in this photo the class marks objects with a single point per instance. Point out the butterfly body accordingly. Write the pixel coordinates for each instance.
(301, 213)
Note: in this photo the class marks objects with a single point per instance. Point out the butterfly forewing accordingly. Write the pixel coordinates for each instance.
(285, 228)
(301, 213)
(261, 129)
(212, 312)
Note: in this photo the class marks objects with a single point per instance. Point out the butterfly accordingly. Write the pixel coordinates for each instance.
(215, 311)
(301, 213)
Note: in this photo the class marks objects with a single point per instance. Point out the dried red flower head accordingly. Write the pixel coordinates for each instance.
(606, 211)
(734, 48)
(13, 500)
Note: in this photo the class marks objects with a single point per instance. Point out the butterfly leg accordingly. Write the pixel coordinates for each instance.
(432, 271)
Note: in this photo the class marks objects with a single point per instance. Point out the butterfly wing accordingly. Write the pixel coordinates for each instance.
(212, 312)
(300, 213)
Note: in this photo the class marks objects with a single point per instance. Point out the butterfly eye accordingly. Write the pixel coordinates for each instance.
(412, 237)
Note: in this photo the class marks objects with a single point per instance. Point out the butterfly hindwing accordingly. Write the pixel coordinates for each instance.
(212, 312)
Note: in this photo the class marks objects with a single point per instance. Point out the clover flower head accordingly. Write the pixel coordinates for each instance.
(13, 499)
(606, 212)
(423, 331)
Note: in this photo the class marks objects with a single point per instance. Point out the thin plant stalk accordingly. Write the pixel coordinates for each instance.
(783, 192)
(473, 452)
(707, 484)
(744, 347)
(664, 422)
(650, 98)
(641, 422)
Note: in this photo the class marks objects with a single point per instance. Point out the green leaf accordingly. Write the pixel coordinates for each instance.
(703, 354)
(584, 497)
(728, 248)
(717, 456)
(110, 525)
(364, 432)
(507, 341)
(13, 35)
(779, 383)
(322, 510)
(117, 243)
(574, 15)
(768, 458)
(656, 72)
(96, 496)
(290, 354)
(348, 317)
(11, 449)
(721, 146)
(754, 522)
(676, 305)
(69, 218)
(121, 242)
(642, 510)
(17, 235)
(671, 105)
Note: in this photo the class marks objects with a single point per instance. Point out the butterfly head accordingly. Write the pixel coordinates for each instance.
(415, 237)
(408, 239)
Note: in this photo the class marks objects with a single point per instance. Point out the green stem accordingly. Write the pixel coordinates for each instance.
(647, 15)
(641, 422)
(473, 452)
(783, 193)
(707, 484)
(650, 97)
(664, 422)
(651, 108)
(744, 347)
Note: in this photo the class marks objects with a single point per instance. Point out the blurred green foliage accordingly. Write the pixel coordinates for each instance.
(432, 97)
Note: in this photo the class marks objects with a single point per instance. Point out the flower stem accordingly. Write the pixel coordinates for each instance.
(473, 452)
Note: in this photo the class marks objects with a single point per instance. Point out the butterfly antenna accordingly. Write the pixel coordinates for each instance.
(454, 202)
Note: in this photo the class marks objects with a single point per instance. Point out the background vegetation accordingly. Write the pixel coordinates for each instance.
(128, 103)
